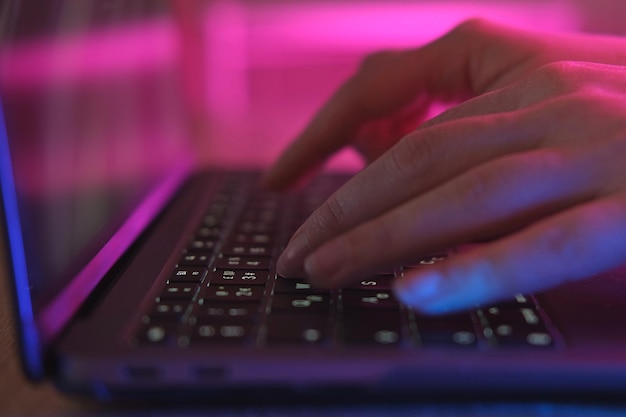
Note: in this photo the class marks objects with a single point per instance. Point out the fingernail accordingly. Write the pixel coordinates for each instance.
(323, 266)
(423, 292)
(290, 262)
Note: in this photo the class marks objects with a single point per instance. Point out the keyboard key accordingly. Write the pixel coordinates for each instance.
(243, 262)
(247, 249)
(295, 286)
(522, 337)
(258, 227)
(215, 332)
(369, 299)
(455, 330)
(301, 303)
(254, 238)
(169, 310)
(234, 312)
(233, 293)
(301, 329)
(158, 334)
(202, 245)
(188, 274)
(213, 220)
(195, 259)
(380, 329)
(428, 260)
(208, 232)
(514, 326)
(239, 277)
(181, 290)
(374, 283)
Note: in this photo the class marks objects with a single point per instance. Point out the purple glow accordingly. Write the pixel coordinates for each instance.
(55, 315)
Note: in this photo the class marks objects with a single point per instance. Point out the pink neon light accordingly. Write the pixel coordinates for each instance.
(90, 56)
(366, 26)
(271, 65)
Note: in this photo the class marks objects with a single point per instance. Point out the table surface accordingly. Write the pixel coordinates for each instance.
(20, 397)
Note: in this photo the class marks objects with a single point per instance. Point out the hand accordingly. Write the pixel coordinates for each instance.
(395, 91)
(533, 166)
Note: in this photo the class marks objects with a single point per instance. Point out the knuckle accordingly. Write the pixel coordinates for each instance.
(557, 242)
(365, 89)
(559, 77)
(476, 26)
(411, 156)
(475, 188)
(332, 214)
(375, 59)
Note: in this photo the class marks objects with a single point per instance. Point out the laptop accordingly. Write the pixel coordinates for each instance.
(137, 274)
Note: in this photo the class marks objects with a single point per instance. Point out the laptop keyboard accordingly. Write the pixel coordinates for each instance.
(224, 290)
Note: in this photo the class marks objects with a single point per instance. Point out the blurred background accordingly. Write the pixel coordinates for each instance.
(238, 79)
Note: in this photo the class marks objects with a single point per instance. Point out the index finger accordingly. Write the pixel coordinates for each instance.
(385, 83)
(388, 82)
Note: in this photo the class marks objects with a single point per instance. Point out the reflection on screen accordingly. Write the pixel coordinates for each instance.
(95, 124)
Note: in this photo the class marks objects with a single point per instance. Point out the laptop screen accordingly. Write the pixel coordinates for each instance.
(92, 146)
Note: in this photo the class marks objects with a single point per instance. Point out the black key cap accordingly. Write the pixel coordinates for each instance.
(157, 334)
(247, 249)
(233, 293)
(369, 299)
(302, 329)
(213, 220)
(243, 262)
(202, 245)
(239, 277)
(510, 336)
(254, 238)
(524, 315)
(428, 260)
(216, 332)
(181, 290)
(188, 274)
(259, 227)
(455, 330)
(301, 303)
(373, 283)
(208, 233)
(515, 326)
(169, 310)
(195, 259)
(235, 312)
(383, 328)
(295, 286)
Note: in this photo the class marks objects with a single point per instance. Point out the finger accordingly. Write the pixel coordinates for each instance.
(385, 83)
(376, 137)
(497, 197)
(445, 69)
(421, 161)
(583, 241)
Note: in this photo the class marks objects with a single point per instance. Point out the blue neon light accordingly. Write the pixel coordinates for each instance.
(30, 341)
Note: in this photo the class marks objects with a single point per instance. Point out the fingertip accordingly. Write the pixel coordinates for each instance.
(275, 179)
(422, 292)
(290, 263)
(433, 292)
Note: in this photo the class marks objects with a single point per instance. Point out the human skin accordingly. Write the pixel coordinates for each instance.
(527, 166)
